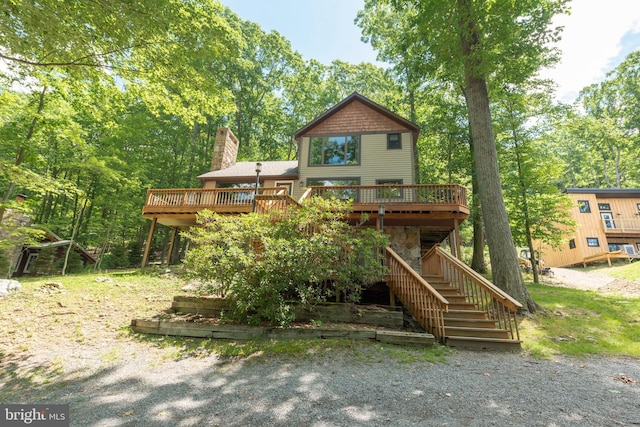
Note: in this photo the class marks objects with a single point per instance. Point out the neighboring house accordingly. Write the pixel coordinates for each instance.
(362, 152)
(607, 226)
(29, 254)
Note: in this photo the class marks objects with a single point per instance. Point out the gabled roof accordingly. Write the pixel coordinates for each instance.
(53, 240)
(611, 193)
(355, 96)
(246, 171)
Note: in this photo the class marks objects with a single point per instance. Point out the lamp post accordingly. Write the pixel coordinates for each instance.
(381, 215)
(258, 170)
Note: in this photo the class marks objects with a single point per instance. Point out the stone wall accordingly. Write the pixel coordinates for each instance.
(406, 242)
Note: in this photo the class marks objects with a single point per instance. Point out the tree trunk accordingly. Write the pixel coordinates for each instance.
(502, 252)
(477, 260)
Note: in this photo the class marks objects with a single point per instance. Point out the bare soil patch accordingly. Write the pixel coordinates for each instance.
(598, 281)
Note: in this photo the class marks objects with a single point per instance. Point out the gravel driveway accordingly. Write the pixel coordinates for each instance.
(111, 380)
(468, 389)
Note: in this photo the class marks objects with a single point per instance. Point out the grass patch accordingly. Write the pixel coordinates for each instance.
(580, 323)
(625, 270)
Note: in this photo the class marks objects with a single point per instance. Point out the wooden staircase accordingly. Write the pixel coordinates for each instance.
(465, 325)
(454, 303)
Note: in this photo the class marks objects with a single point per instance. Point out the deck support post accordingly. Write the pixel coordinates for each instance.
(172, 244)
(392, 298)
(456, 237)
(147, 248)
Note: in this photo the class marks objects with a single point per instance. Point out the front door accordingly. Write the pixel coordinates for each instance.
(288, 185)
(607, 220)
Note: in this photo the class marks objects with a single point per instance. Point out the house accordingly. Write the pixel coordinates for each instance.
(27, 260)
(607, 226)
(362, 152)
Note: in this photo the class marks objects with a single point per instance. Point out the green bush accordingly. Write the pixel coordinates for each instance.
(45, 264)
(74, 263)
(264, 262)
(117, 258)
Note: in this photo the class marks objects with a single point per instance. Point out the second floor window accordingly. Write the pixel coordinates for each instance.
(393, 141)
(335, 150)
(584, 206)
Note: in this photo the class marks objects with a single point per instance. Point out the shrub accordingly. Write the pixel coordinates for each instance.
(264, 262)
(117, 258)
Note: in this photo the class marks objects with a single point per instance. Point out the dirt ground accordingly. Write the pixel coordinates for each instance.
(591, 281)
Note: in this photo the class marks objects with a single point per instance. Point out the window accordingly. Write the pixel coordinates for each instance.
(604, 206)
(615, 246)
(638, 206)
(334, 150)
(593, 242)
(607, 220)
(31, 262)
(584, 206)
(390, 191)
(572, 244)
(338, 193)
(394, 142)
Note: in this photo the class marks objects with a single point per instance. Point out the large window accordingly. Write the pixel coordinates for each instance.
(335, 150)
(338, 193)
(584, 206)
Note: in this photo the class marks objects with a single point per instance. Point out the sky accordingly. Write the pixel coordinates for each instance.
(596, 38)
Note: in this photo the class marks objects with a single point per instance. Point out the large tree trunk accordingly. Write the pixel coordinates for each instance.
(477, 260)
(502, 252)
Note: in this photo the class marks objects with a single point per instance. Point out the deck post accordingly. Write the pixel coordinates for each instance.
(456, 232)
(147, 248)
(174, 235)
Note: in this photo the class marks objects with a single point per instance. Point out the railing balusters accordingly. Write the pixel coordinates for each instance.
(499, 306)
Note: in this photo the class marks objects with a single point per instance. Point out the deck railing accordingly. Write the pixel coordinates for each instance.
(621, 225)
(415, 293)
(486, 296)
(396, 194)
(235, 199)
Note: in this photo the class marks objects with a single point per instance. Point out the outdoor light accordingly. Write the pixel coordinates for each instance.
(381, 215)
(258, 170)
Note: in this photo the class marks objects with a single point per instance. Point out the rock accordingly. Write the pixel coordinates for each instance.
(54, 285)
(9, 286)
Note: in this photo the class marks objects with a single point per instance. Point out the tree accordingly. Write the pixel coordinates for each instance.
(538, 211)
(473, 39)
(263, 263)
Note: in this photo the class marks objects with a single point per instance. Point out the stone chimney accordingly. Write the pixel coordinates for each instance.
(225, 149)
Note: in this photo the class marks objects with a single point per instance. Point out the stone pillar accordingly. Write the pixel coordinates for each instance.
(405, 241)
(225, 149)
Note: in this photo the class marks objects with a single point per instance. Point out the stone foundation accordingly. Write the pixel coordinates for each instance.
(406, 242)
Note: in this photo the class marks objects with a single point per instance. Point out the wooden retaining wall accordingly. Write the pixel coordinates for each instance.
(243, 333)
(377, 316)
(388, 317)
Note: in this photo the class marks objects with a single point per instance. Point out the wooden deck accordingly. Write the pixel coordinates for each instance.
(404, 204)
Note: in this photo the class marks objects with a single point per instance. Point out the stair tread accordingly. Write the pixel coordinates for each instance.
(470, 328)
(497, 340)
(456, 311)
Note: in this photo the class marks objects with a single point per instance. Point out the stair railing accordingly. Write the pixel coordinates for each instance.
(487, 297)
(416, 294)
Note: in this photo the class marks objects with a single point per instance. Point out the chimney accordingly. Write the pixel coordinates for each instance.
(225, 149)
